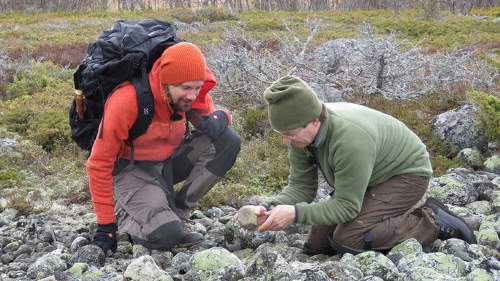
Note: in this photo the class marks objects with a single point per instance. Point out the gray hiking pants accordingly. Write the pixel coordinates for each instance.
(384, 214)
(146, 206)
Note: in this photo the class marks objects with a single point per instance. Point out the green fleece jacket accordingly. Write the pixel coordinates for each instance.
(356, 147)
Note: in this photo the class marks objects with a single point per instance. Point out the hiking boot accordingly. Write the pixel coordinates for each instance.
(312, 252)
(190, 239)
(450, 225)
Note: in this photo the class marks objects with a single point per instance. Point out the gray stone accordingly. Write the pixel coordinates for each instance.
(266, 262)
(452, 188)
(77, 243)
(487, 234)
(439, 262)
(89, 254)
(459, 128)
(145, 268)
(492, 164)
(407, 247)
(340, 271)
(462, 250)
(139, 250)
(212, 264)
(46, 265)
(480, 207)
(426, 274)
(471, 156)
(247, 218)
(376, 264)
(479, 274)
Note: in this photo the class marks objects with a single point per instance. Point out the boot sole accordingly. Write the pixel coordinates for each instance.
(188, 245)
(443, 207)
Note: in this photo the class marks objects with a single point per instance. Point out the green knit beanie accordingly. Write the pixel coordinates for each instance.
(291, 103)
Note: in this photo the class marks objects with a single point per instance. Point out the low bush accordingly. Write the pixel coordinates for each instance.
(489, 114)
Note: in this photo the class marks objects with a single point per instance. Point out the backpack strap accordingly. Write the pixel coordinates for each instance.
(145, 108)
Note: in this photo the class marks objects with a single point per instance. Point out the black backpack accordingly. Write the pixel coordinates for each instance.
(126, 52)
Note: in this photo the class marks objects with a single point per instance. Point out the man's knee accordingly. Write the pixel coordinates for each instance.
(227, 147)
(164, 237)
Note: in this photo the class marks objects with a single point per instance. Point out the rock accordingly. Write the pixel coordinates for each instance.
(266, 262)
(162, 258)
(214, 263)
(487, 234)
(462, 250)
(479, 274)
(339, 271)
(452, 188)
(492, 164)
(439, 262)
(78, 243)
(86, 272)
(459, 128)
(139, 250)
(9, 145)
(408, 247)
(471, 156)
(480, 207)
(376, 264)
(89, 254)
(145, 268)
(180, 264)
(46, 265)
(247, 218)
(426, 274)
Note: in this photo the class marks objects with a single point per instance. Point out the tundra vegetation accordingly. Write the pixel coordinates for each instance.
(411, 60)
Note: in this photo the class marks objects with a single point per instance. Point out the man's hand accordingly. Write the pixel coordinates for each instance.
(105, 237)
(278, 218)
(213, 125)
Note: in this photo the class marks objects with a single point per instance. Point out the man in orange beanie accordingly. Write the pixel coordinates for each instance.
(132, 189)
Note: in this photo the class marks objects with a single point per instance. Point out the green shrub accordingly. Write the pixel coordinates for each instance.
(261, 168)
(42, 76)
(255, 121)
(489, 114)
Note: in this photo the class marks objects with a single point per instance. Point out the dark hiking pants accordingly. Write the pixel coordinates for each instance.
(384, 217)
(146, 206)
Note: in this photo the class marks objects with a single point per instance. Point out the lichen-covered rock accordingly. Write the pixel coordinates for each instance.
(309, 271)
(266, 264)
(145, 268)
(471, 156)
(407, 247)
(211, 264)
(47, 265)
(440, 262)
(338, 271)
(462, 249)
(480, 207)
(374, 263)
(139, 250)
(479, 274)
(89, 254)
(426, 274)
(371, 278)
(235, 235)
(86, 272)
(487, 234)
(77, 243)
(492, 164)
(452, 188)
(459, 128)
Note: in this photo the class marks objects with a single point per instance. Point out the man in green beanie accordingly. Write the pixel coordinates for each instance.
(378, 167)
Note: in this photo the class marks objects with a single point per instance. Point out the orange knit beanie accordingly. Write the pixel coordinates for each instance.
(182, 62)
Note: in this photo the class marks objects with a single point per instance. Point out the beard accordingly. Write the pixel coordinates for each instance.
(182, 105)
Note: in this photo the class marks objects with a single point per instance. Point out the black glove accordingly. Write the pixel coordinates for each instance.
(105, 237)
(213, 125)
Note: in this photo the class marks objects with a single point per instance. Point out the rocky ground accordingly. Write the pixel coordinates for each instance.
(54, 246)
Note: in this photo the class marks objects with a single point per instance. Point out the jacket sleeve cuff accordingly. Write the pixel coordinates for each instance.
(296, 218)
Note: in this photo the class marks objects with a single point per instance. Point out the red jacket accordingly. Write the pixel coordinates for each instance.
(158, 143)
